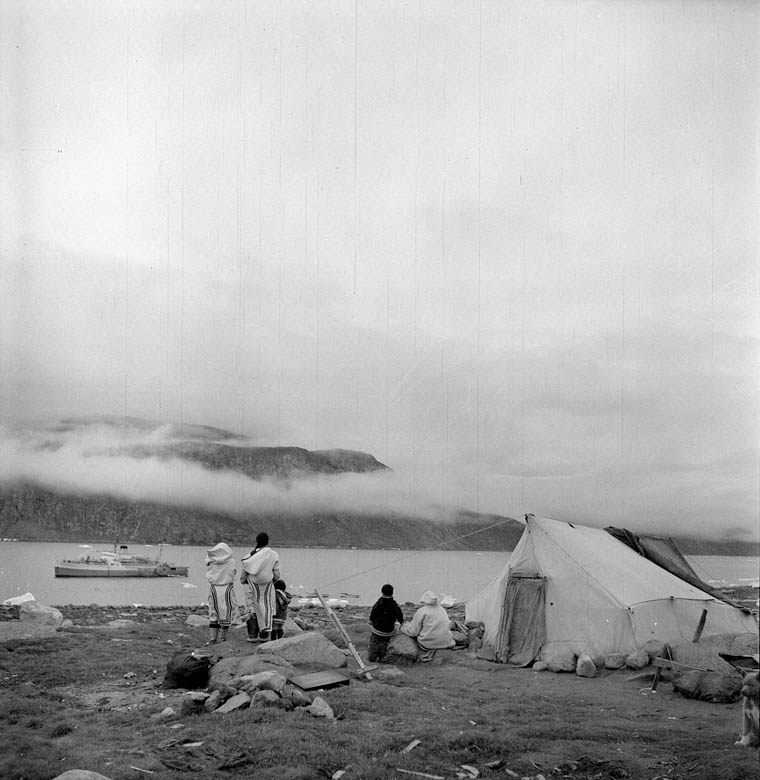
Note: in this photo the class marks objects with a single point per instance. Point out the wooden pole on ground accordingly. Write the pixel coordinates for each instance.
(362, 666)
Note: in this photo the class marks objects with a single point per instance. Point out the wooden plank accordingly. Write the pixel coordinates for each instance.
(669, 665)
(666, 663)
(362, 666)
(326, 679)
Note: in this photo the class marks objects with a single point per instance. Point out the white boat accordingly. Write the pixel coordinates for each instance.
(119, 563)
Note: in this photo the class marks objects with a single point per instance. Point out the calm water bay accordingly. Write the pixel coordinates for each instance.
(28, 567)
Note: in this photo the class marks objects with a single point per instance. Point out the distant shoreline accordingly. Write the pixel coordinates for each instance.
(744, 595)
(707, 548)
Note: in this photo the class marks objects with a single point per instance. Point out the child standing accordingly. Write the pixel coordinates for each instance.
(282, 599)
(382, 619)
(222, 605)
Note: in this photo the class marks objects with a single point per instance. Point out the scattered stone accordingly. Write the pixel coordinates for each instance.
(295, 695)
(80, 774)
(654, 648)
(387, 674)
(237, 702)
(166, 712)
(615, 661)
(309, 647)
(585, 666)
(193, 703)
(121, 623)
(196, 621)
(265, 698)
(319, 708)
(559, 659)
(598, 660)
(213, 702)
(264, 681)
(637, 660)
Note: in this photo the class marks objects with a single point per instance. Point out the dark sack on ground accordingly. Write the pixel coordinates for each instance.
(187, 670)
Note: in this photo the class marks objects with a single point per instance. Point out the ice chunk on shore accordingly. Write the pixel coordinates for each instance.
(23, 599)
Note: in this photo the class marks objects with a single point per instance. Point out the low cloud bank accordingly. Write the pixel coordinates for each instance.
(91, 461)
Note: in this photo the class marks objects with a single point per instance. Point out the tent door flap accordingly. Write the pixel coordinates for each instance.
(522, 628)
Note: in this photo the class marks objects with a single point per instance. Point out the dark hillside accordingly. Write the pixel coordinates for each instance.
(31, 513)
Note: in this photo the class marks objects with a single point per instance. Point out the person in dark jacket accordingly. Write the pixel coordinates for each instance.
(382, 619)
(282, 600)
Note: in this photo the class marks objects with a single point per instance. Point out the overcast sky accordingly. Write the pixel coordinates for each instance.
(508, 248)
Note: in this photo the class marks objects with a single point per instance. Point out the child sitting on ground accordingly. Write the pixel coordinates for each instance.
(382, 619)
(282, 599)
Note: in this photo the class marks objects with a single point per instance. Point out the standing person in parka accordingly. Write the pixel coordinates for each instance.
(260, 569)
(222, 604)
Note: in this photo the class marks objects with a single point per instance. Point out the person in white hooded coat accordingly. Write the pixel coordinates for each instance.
(260, 569)
(430, 626)
(222, 604)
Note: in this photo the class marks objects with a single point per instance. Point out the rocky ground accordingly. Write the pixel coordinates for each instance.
(98, 682)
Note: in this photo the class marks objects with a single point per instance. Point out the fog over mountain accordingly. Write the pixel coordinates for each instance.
(191, 466)
(86, 478)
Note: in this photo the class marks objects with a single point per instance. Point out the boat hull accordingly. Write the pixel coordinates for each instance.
(77, 569)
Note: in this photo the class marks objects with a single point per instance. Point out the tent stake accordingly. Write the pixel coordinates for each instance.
(346, 638)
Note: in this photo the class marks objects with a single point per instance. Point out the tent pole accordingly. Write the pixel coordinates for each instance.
(700, 626)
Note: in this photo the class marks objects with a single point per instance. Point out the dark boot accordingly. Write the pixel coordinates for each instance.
(252, 624)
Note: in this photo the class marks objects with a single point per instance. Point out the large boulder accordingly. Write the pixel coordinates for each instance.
(80, 774)
(704, 654)
(228, 668)
(263, 681)
(402, 650)
(585, 666)
(615, 660)
(49, 616)
(638, 659)
(319, 708)
(310, 647)
(559, 659)
(709, 686)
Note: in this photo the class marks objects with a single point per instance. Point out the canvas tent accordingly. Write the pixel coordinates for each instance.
(568, 587)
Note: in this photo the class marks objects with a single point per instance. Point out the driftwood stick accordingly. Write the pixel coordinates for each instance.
(346, 637)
